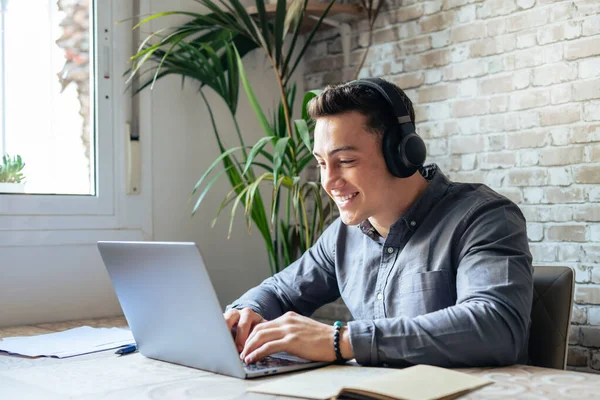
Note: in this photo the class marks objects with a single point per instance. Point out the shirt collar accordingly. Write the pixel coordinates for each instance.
(418, 211)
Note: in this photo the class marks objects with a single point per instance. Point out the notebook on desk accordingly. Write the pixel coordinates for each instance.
(419, 382)
(173, 311)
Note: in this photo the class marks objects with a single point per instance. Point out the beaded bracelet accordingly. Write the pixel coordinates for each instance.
(336, 342)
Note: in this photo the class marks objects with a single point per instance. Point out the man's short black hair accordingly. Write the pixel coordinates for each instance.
(340, 98)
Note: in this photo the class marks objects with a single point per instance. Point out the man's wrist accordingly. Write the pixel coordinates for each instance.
(345, 346)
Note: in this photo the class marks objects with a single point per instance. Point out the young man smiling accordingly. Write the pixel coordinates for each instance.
(433, 271)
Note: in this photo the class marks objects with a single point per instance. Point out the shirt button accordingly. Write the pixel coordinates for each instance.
(390, 250)
(412, 223)
(379, 296)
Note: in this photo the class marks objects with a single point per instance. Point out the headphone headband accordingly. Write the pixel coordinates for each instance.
(390, 94)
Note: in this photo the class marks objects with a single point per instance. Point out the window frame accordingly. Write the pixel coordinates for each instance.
(108, 208)
(42, 211)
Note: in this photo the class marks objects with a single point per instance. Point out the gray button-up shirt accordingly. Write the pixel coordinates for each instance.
(451, 284)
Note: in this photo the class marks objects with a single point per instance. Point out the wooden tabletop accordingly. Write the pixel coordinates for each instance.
(105, 375)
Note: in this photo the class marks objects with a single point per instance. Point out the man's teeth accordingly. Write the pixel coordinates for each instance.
(344, 198)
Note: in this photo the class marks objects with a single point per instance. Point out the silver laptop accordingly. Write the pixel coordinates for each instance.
(173, 312)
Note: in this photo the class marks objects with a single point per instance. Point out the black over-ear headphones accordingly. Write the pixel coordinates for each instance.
(403, 150)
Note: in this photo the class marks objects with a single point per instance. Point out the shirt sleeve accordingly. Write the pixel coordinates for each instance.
(489, 323)
(305, 285)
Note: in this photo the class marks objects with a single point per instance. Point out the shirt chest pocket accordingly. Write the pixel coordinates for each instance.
(424, 293)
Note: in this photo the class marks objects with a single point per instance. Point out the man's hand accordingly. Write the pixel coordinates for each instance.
(297, 335)
(244, 322)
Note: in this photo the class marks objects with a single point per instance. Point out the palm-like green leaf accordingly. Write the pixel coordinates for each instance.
(288, 74)
(307, 98)
(254, 103)
(209, 49)
(209, 62)
(222, 156)
(238, 200)
(278, 154)
(302, 131)
(208, 186)
(264, 22)
(313, 190)
(304, 161)
(230, 197)
(256, 149)
(279, 29)
(163, 14)
(297, 15)
(294, 15)
(252, 193)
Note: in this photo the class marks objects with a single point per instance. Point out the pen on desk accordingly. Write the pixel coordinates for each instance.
(127, 349)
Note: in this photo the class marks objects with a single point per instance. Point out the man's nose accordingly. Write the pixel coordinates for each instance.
(331, 179)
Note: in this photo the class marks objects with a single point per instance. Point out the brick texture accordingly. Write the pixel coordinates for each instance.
(506, 93)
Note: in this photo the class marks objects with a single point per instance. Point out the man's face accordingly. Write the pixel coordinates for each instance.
(353, 171)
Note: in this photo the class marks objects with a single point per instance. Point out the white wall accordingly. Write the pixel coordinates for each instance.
(49, 280)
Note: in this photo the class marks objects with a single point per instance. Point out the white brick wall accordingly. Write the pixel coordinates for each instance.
(507, 92)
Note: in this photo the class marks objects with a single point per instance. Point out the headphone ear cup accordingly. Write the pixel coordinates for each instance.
(403, 150)
(412, 147)
(392, 151)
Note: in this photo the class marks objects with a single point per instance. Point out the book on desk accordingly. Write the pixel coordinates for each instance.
(419, 382)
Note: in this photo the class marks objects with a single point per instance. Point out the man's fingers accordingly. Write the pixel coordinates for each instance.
(232, 317)
(241, 323)
(259, 327)
(266, 349)
(259, 337)
(243, 329)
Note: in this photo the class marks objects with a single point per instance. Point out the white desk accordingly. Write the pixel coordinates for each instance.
(107, 376)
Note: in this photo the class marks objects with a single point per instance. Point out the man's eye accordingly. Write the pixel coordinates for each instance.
(346, 161)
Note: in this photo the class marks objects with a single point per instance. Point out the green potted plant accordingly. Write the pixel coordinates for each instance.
(11, 177)
(209, 50)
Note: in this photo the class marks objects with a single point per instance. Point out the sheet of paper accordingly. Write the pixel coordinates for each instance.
(321, 383)
(68, 343)
(421, 382)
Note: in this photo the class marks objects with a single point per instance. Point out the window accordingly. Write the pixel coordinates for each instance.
(47, 97)
(56, 90)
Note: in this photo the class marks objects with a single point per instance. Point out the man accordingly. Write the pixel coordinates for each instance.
(433, 271)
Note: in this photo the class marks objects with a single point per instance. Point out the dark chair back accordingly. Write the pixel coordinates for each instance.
(551, 316)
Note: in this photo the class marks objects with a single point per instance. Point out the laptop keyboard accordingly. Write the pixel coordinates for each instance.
(272, 362)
